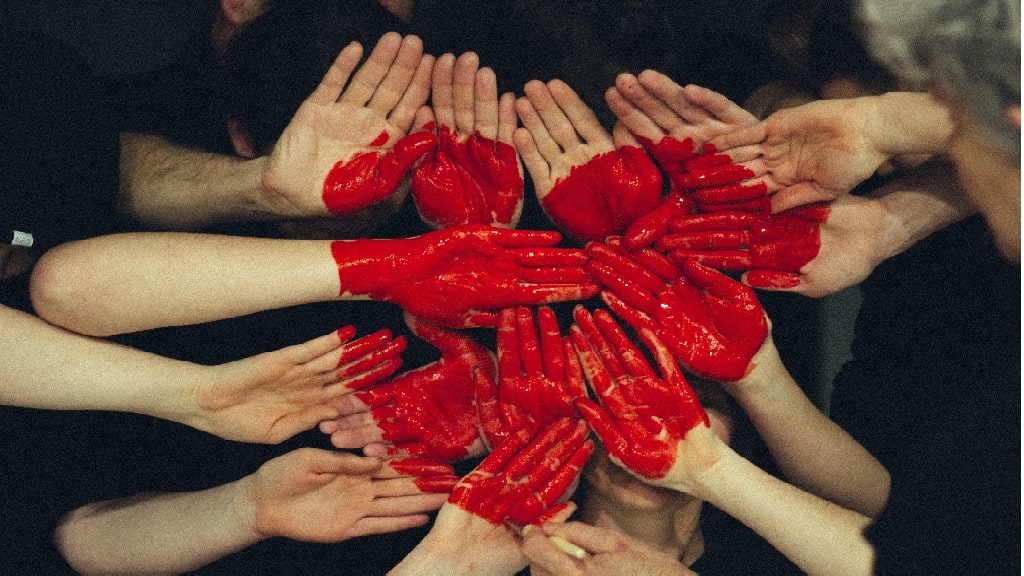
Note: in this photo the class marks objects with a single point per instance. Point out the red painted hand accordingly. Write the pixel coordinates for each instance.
(474, 175)
(427, 412)
(525, 475)
(771, 247)
(469, 180)
(538, 378)
(642, 416)
(459, 277)
(713, 324)
(431, 476)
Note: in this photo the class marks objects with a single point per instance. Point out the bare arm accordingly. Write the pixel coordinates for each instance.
(309, 495)
(166, 186)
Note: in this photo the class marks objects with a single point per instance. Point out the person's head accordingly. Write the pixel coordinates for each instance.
(968, 53)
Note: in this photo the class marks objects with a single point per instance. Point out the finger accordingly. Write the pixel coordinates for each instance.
(746, 136)
(373, 374)
(486, 115)
(464, 81)
(593, 539)
(551, 345)
(529, 344)
(711, 240)
(535, 462)
(671, 115)
(716, 283)
(719, 106)
(545, 557)
(411, 104)
(584, 121)
(398, 77)
(508, 119)
(377, 343)
(375, 525)
(370, 74)
(555, 121)
(632, 118)
(732, 193)
(333, 82)
(442, 93)
(356, 438)
(424, 119)
(772, 280)
(334, 462)
(630, 356)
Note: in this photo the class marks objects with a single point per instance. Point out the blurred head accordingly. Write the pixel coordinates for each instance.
(967, 52)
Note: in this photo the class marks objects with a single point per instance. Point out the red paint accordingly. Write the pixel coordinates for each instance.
(453, 276)
(524, 477)
(605, 195)
(713, 324)
(429, 412)
(643, 414)
(538, 376)
(370, 176)
(381, 139)
(763, 242)
(476, 180)
(431, 476)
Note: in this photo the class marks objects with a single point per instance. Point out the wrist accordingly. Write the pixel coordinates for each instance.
(902, 123)
(367, 266)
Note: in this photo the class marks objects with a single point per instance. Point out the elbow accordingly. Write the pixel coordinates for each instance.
(56, 289)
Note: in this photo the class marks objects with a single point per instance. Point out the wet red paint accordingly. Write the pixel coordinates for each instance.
(381, 139)
(371, 176)
(476, 180)
(605, 195)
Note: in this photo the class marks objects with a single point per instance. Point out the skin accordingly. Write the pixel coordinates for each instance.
(308, 494)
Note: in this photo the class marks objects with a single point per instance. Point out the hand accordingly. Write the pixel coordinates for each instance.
(585, 185)
(324, 496)
(673, 123)
(344, 150)
(713, 324)
(459, 277)
(538, 378)
(427, 412)
(642, 416)
(610, 553)
(273, 396)
(811, 153)
(474, 175)
(520, 481)
(771, 248)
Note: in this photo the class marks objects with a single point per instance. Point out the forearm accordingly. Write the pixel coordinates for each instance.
(900, 123)
(811, 450)
(157, 533)
(165, 186)
(129, 282)
(42, 366)
(818, 536)
(919, 203)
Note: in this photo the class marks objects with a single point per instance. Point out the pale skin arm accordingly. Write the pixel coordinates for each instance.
(265, 398)
(811, 450)
(308, 495)
(176, 279)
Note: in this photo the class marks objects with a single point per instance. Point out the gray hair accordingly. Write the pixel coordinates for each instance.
(970, 49)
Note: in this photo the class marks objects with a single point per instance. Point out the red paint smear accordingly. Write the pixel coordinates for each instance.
(605, 195)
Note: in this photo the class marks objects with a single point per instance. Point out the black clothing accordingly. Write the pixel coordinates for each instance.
(933, 391)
